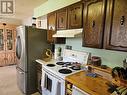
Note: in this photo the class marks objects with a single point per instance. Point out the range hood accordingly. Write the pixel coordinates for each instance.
(69, 33)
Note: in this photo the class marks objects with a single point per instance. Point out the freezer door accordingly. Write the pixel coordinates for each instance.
(21, 48)
(21, 80)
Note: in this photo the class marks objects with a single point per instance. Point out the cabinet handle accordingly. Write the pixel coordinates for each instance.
(51, 28)
(20, 72)
(93, 23)
(122, 20)
(75, 17)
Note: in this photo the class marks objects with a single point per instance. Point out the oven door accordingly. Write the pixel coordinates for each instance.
(51, 85)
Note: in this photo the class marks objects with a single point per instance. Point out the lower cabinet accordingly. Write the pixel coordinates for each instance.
(7, 58)
(39, 75)
(73, 90)
(10, 58)
(68, 88)
(77, 91)
(2, 59)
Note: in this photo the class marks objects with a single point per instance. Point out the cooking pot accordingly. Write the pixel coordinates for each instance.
(76, 66)
(96, 61)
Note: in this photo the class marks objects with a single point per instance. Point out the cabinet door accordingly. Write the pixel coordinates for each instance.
(116, 25)
(7, 44)
(2, 45)
(10, 44)
(51, 24)
(62, 19)
(75, 15)
(2, 58)
(9, 39)
(10, 58)
(2, 38)
(94, 11)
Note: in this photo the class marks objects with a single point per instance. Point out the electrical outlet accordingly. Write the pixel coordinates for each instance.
(68, 47)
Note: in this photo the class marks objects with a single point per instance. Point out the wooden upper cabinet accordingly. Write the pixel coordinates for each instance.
(75, 15)
(116, 25)
(62, 19)
(51, 26)
(93, 23)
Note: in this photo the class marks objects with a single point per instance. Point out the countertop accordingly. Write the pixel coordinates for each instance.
(93, 86)
(44, 62)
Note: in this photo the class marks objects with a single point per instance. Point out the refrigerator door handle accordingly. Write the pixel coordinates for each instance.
(18, 47)
(21, 72)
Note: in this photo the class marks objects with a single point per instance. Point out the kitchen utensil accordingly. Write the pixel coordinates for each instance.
(91, 75)
(104, 66)
(119, 72)
(125, 63)
(112, 88)
(116, 72)
(121, 90)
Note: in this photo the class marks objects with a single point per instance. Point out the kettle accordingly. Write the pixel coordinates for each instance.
(47, 55)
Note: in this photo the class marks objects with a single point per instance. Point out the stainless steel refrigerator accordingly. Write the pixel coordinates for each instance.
(30, 43)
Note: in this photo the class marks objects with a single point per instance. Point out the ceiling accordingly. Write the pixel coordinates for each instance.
(23, 9)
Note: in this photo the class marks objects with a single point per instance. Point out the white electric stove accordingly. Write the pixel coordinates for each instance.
(54, 73)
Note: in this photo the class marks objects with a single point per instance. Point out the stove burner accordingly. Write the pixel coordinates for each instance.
(75, 68)
(60, 63)
(68, 63)
(50, 65)
(65, 71)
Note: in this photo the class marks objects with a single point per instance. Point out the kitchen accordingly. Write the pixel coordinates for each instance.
(96, 44)
(90, 22)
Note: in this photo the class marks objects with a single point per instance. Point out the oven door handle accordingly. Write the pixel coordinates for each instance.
(45, 81)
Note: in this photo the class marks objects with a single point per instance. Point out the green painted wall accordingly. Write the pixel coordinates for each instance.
(52, 5)
(109, 57)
